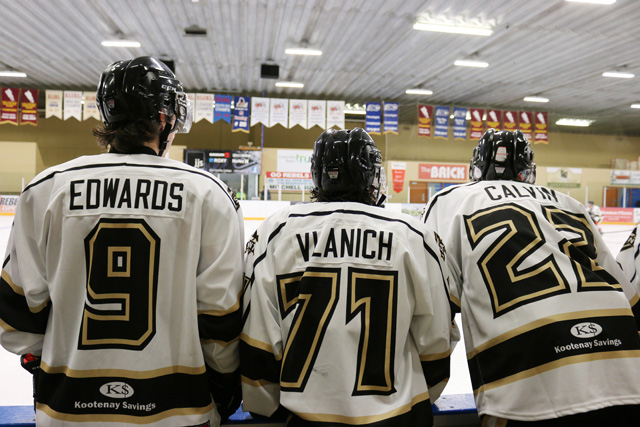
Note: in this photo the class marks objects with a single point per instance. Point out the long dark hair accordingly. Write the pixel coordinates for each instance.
(359, 196)
(125, 137)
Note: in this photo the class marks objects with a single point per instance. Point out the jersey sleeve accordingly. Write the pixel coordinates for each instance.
(219, 283)
(24, 295)
(628, 259)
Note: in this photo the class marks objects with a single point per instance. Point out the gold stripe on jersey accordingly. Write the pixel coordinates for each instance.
(366, 419)
(6, 326)
(633, 301)
(219, 342)
(570, 360)
(261, 345)
(233, 308)
(256, 383)
(437, 356)
(546, 321)
(17, 289)
(114, 418)
(123, 373)
(454, 299)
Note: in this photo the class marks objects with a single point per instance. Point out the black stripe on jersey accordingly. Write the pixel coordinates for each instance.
(134, 165)
(553, 342)
(420, 415)
(14, 310)
(436, 371)
(6, 261)
(635, 309)
(258, 365)
(635, 256)
(220, 328)
(444, 193)
(143, 397)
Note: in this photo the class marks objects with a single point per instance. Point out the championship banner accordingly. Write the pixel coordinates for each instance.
(477, 124)
(442, 122)
(53, 105)
(391, 117)
(442, 172)
(317, 113)
(424, 120)
(192, 99)
(10, 99)
(241, 112)
(459, 123)
(526, 123)
(298, 113)
(203, 108)
(72, 105)
(372, 122)
(397, 172)
(494, 119)
(222, 109)
(279, 114)
(29, 107)
(510, 122)
(542, 128)
(335, 114)
(260, 110)
(90, 108)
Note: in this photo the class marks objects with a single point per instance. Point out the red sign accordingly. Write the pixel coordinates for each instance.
(542, 128)
(29, 110)
(526, 123)
(424, 119)
(494, 118)
(510, 120)
(477, 123)
(10, 99)
(617, 216)
(443, 173)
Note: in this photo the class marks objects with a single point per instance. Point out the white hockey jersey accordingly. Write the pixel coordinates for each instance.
(348, 320)
(124, 272)
(547, 313)
(629, 260)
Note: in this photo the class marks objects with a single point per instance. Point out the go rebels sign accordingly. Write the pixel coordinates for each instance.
(441, 172)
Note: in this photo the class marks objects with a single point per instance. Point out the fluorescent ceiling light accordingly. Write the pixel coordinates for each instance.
(303, 51)
(593, 1)
(12, 74)
(635, 105)
(535, 99)
(419, 92)
(466, 63)
(354, 109)
(289, 84)
(574, 122)
(120, 43)
(618, 75)
(452, 28)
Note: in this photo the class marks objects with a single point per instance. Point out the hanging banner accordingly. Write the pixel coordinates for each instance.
(203, 108)
(9, 101)
(72, 105)
(424, 120)
(260, 110)
(526, 123)
(477, 124)
(373, 118)
(29, 107)
(335, 114)
(459, 123)
(494, 119)
(397, 173)
(542, 128)
(442, 122)
(90, 108)
(279, 114)
(391, 117)
(222, 108)
(241, 112)
(53, 105)
(298, 113)
(510, 121)
(317, 113)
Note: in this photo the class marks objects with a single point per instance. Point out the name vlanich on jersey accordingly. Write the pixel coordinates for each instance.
(346, 242)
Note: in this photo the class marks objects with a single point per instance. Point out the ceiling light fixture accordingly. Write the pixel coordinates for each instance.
(289, 84)
(593, 1)
(418, 92)
(535, 99)
(120, 43)
(453, 28)
(303, 51)
(356, 109)
(12, 74)
(469, 63)
(574, 122)
(618, 74)
(635, 105)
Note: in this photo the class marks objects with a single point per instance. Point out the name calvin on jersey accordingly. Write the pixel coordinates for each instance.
(507, 191)
(354, 242)
(125, 193)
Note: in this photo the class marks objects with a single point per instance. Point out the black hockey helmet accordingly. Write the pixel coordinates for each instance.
(346, 160)
(141, 88)
(503, 155)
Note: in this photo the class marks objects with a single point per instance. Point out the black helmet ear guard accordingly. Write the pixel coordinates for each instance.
(503, 155)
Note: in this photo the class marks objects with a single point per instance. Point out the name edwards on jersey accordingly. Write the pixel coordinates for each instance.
(340, 243)
(95, 194)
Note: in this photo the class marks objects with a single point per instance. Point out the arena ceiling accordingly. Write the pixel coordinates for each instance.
(554, 49)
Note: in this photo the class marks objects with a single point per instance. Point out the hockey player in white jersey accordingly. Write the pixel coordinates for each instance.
(548, 316)
(124, 271)
(629, 258)
(348, 321)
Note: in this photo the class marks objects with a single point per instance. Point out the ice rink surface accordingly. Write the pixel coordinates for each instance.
(15, 382)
